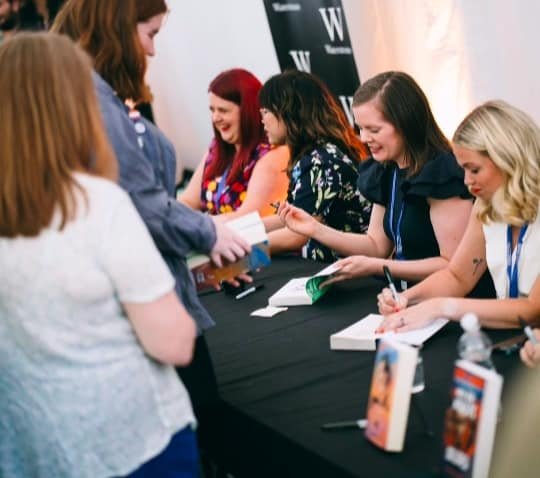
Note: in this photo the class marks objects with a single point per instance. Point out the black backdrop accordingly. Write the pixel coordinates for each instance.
(312, 36)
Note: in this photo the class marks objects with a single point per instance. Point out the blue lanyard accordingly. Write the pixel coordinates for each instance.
(512, 265)
(396, 235)
(222, 185)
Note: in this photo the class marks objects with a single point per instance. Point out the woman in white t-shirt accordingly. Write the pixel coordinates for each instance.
(89, 319)
(498, 146)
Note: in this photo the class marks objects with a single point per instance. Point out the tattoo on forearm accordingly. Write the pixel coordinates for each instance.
(476, 263)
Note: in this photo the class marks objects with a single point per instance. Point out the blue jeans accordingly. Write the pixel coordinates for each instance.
(179, 460)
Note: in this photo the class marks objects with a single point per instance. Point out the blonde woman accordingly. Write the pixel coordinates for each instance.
(498, 146)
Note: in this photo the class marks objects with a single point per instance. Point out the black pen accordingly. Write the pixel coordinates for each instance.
(275, 205)
(362, 423)
(246, 292)
(391, 284)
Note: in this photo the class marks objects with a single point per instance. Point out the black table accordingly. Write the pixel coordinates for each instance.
(279, 382)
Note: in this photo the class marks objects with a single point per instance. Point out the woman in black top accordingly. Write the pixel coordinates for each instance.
(421, 206)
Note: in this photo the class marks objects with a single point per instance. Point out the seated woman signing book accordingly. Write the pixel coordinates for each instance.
(299, 111)
(498, 146)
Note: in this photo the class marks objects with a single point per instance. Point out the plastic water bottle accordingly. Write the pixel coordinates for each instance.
(474, 345)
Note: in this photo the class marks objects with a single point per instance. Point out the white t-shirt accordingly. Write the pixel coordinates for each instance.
(78, 395)
(496, 257)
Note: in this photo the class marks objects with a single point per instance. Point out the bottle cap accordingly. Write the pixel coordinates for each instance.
(469, 322)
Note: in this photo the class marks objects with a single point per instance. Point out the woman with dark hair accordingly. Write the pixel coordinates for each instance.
(240, 172)
(19, 15)
(89, 321)
(299, 111)
(421, 206)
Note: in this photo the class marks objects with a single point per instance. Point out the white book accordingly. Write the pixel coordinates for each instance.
(303, 290)
(390, 394)
(471, 421)
(361, 335)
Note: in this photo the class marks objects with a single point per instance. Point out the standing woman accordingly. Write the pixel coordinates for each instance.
(498, 146)
(299, 111)
(89, 318)
(118, 34)
(421, 206)
(240, 173)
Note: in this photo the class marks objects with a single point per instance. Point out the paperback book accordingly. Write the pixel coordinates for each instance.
(470, 421)
(206, 274)
(303, 290)
(361, 335)
(390, 394)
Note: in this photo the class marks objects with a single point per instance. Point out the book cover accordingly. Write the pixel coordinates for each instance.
(361, 335)
(206, 274)
(303, 290)
(390, 394)
(470, 421)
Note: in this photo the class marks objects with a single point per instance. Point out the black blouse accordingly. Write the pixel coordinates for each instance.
(440, 178)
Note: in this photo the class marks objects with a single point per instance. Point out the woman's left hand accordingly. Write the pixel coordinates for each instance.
(414, 317)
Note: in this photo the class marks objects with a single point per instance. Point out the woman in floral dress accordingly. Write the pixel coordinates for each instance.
(299, 111)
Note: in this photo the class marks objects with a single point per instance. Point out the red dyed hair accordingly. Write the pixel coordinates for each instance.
(242, 88)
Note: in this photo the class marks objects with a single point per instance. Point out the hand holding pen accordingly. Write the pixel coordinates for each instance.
(389, 300)
(530, 352)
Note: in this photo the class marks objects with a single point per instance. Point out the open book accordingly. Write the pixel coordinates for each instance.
(206, 274)
(361, 335)
(304, 290)
(390, 394)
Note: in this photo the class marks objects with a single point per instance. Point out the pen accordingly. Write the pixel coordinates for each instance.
(528, 331)
(362, 423)
(275, 205)
(391, 285)
(249, 291)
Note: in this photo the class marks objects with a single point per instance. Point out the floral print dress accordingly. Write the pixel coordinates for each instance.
(218, 197)
(323, 183)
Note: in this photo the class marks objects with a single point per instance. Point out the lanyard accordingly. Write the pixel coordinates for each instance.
(396, 235)
(513, 260)
(222, 185)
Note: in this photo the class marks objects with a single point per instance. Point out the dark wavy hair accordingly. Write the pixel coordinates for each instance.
(107, 30)
(311, 114)
(403, 103)
(241, 88)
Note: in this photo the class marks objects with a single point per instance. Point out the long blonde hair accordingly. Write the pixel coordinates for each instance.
(511, 139)
(50, 127)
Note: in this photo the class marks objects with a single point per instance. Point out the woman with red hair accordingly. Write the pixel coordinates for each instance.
(240, 172)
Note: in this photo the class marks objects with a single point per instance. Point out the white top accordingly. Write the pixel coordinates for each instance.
(529, 260)
(78, 395)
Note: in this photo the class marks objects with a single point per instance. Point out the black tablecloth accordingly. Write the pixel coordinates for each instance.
(279, 382)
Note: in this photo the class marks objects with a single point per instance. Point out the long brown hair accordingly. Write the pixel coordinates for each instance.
(403, 103)
(107, 30)
(311, 114)
(51, 127)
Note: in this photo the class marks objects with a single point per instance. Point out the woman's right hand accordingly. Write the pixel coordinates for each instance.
(386, 303)
(530, 353)
(297, 220)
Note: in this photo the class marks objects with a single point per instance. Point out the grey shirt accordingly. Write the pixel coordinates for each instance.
(145, 173)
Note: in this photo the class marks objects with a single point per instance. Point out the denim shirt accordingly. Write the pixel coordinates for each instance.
(147, 174)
